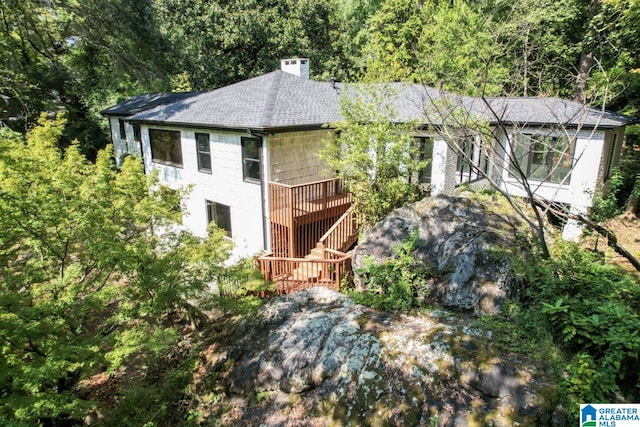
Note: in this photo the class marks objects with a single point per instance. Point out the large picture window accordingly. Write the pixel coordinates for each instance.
(166, 147)
(543, 157)
(204, 152)
(220, 215)
(251, 158)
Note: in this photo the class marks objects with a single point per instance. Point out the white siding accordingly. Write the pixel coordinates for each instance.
(225, 185)
(121, 147)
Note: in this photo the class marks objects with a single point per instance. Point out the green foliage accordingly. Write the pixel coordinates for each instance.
(84, 283)
(244, 279)
(442, 44)
(376, 158)
(628, 194)
(77, 57)
(157, 397)
(592, 311)
(251, 38)
(399, 283)
(608, 206)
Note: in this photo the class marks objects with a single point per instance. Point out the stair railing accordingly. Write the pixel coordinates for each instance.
(343, 233)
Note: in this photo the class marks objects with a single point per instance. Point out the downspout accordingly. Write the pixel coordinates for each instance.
(264, 172)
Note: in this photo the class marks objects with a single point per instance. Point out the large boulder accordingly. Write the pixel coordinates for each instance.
(314, 358)
(464, 240)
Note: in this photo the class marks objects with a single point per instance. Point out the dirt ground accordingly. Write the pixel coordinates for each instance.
(627, 229)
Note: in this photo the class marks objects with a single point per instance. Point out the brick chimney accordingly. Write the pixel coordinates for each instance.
(296, 66)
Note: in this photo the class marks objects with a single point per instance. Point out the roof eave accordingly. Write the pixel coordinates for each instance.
(586, 126)
(238, 128)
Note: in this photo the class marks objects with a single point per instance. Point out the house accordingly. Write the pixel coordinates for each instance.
(588, 415)
(249, 153)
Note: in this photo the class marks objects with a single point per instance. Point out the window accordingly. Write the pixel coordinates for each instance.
(472, 161)
(543, 157)
(204, 152)
(123, 131)
(137, 135)
(425, 152)
(251, 158)
(221, 215)
(165, 146)
(612, 150)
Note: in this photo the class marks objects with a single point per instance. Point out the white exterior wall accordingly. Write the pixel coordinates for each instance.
(579, 192)
(122, 146)
(224, 185)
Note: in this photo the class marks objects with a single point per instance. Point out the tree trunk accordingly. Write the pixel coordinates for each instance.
(580, 92)
(612, 240)
(586, 56)
(633, 204)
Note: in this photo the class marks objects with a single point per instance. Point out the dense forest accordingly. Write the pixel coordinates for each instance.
(63, 61)
(81, 56)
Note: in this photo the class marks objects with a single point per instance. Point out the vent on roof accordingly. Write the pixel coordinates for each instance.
(296, 66)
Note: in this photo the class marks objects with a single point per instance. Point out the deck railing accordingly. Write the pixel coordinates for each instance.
(343, 234)
(301, 214)
(293, 274)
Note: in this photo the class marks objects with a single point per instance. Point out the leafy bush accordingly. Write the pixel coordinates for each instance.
(378, 158)
(399, 283)
(609, 205)
(84, 283)
(593, 312)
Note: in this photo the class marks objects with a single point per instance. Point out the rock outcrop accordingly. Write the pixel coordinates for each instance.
(315, 358)
(460, 238)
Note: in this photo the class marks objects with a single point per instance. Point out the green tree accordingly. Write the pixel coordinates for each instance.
(377, 157)
(445, 45)
(84, 282)
(225, 42)
(77, 57)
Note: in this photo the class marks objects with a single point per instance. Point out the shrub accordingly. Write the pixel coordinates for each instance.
(399, 283)
(592, 311)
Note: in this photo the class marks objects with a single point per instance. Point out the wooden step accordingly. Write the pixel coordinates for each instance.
(317, 252)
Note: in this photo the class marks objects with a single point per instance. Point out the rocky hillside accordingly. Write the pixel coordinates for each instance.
(465, 242)
(316, 358)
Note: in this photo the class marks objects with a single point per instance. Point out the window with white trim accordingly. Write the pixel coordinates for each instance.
(543, 157)
(203, 148)
(472, 160)
(123, 131)
(610, 155)
(220, 215)
(251, 148)
(166, 146)
(137, 134)
(425, 153)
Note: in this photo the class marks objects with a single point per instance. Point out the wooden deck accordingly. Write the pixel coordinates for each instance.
(294, 274)
(305, 212)
(311, 227)
(301, 214)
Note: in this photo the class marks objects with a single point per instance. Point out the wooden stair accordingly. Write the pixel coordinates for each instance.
(311, 272)
(322, 266)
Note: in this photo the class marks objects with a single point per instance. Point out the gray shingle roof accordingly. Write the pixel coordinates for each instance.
(144, 102)
(282, 100)
(273, 100)
(540, 111)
